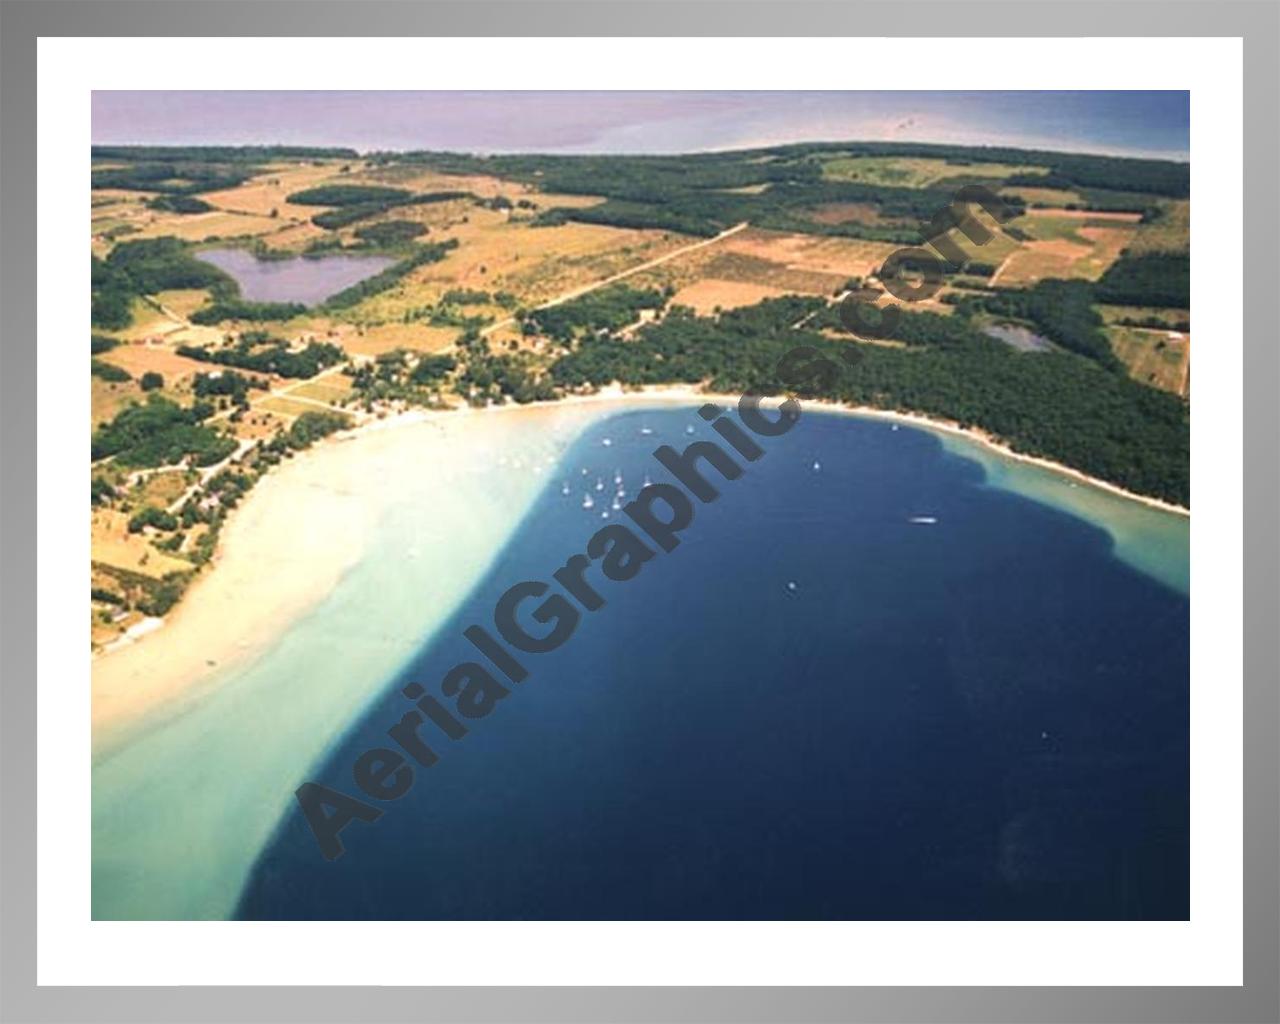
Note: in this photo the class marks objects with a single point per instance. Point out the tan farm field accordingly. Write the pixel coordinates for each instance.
(1159, 358)
(112, 544)
(268, 191)
(536, 264)
(710, 295)
(143, 357)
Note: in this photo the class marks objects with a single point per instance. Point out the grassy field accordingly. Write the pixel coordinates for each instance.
(148, 322)
(1050, 197)
(113, 545)
(162, 359)
(709, 295)
(333, 388)
(161, 489)
(285, 407)
(183, 301)
(1169, 232)
(106, 398)
(267, 192)
(1066, 244)
(209, 226)
(838, 257)
(533, 263)
(1158, 358)
(913, 172)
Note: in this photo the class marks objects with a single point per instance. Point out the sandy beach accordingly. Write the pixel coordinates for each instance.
(306, 523)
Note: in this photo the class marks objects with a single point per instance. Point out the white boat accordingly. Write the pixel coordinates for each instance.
(923, 520)
(587, 501)
(816, 465)
(646, 431)
(604, 515)
(599, 484)
(606, 442)
(647, 481)
(617, 505)
(564, 489)
(617, 476)
(689, 429)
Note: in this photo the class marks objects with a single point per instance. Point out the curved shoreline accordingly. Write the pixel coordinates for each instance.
(277, 561)
(951, 427)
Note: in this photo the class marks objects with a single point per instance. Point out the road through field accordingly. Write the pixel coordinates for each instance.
(623, 274)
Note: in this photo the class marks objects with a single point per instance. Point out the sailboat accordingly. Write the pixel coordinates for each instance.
(565, 488)
(587, 501)
(599, 484)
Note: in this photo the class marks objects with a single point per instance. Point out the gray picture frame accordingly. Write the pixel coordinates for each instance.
(22, 23)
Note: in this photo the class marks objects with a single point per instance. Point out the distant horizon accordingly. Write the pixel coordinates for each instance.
(1144, 125)
(482, 154)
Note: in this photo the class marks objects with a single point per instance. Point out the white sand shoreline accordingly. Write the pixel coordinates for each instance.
(692, 395)
(305, 523)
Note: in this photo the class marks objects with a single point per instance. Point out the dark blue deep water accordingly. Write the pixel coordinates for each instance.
(986, 717)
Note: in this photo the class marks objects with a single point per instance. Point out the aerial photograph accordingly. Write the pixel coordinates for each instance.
(749, 506)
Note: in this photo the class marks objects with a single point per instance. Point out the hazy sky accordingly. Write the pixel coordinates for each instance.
(1138, 123)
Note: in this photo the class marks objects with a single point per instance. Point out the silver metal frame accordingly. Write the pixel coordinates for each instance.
(1258, 23)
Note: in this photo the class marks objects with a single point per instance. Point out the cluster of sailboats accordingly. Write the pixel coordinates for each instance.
(595, 493)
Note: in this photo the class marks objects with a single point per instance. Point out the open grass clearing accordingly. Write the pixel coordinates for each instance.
(266, 192)
(1047, 197)
(710, 295)
(914, 172)
(1158, 358)
(842, 257)
(112, 544)
(1170, 231)
(285, 407)
(160, 489)
(182, 301)
(106, 398)
(333, 388)
(203, 227)
(144, 357)
(535, 264)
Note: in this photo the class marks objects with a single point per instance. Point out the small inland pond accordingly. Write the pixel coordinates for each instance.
(309, 280)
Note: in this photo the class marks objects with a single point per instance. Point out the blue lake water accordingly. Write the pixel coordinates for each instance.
(308, 280)
(812, 708)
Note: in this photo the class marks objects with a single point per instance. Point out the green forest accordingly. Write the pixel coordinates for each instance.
(1051, 404)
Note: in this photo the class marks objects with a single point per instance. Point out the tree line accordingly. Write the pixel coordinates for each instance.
(1055, 404)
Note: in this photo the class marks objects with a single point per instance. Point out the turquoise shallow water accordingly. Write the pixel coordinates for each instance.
(983, 715)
